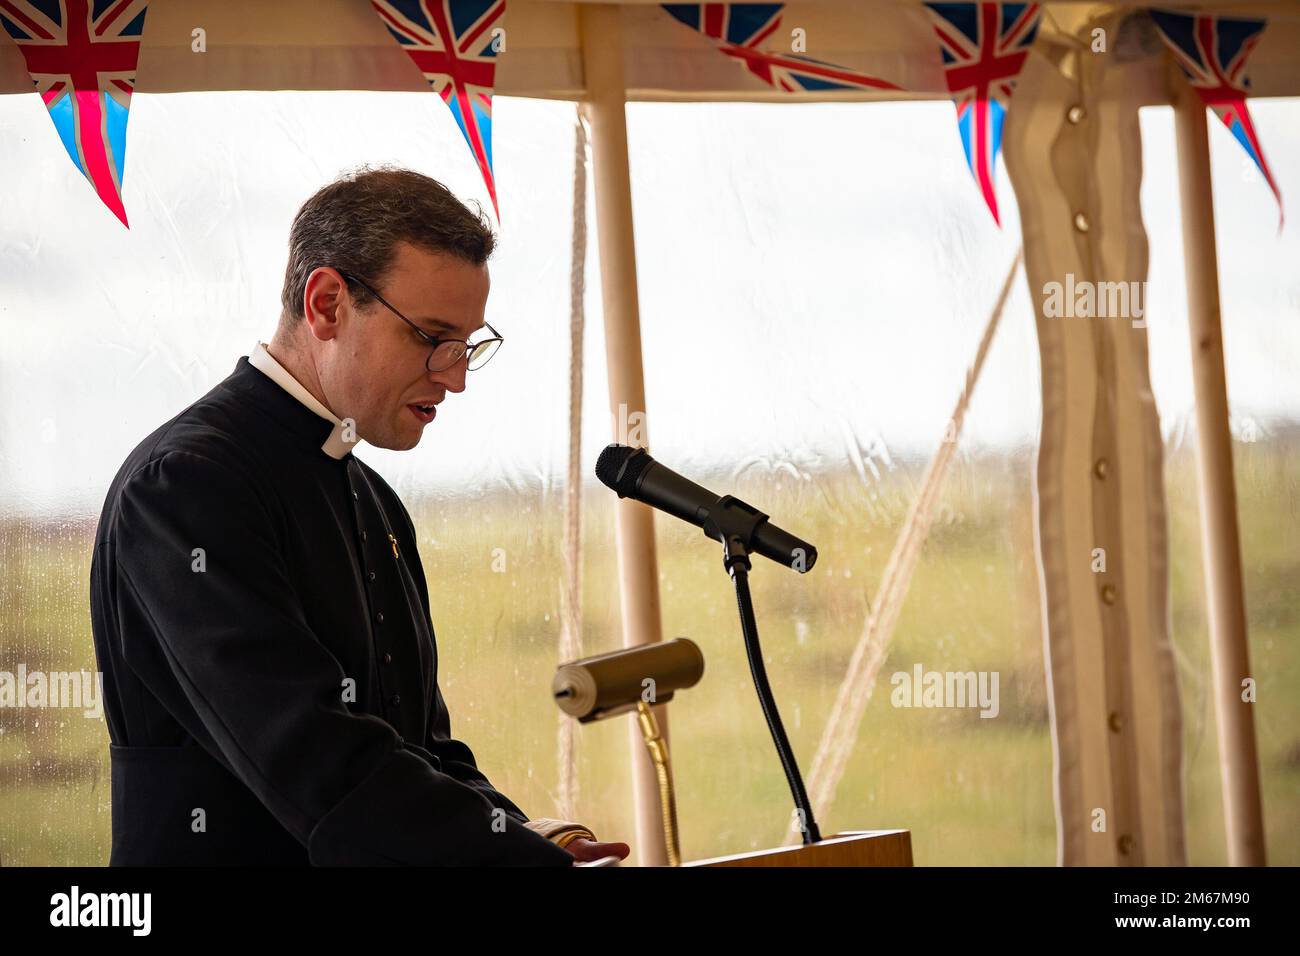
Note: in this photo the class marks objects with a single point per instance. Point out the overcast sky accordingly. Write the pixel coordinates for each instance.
(833, 260)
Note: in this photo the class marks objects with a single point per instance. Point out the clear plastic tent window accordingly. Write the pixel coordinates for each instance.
(808, 314)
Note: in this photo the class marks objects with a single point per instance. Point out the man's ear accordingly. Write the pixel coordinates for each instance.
(325, 302)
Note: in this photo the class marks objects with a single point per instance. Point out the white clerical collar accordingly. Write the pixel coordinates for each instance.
(336, 446)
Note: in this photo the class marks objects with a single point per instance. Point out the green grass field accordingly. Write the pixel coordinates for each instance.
(972, 791)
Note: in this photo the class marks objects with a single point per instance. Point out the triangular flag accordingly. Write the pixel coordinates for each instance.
(740, 29)
(454, 43)
(984, 48)
(82, 58)
(1212, 50)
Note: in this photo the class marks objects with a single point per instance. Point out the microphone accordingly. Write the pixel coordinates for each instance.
(595, 688)
(632, 473)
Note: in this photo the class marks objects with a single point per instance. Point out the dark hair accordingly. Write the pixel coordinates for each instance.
(353, 224)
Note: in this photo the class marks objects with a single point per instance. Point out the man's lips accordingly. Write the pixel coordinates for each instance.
(425, 413)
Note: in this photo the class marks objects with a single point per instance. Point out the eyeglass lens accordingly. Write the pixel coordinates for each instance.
(448, 354)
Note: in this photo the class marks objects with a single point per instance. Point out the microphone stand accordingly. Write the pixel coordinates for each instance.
(733, 522)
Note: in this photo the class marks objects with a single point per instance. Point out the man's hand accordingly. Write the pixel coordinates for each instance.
(584, 850)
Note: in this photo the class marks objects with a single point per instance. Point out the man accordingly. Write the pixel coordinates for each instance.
(260, 613)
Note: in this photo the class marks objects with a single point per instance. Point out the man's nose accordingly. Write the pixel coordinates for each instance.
(453, 378)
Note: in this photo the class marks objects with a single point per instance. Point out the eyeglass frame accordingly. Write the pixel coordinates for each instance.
(433, 341)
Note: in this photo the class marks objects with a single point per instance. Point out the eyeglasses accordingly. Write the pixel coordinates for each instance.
(443, 353)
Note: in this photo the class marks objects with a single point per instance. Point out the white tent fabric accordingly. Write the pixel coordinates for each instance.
(1116, 720)
(1115, 712)
(341, 44)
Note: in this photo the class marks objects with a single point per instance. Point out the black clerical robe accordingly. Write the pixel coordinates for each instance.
(261, 620)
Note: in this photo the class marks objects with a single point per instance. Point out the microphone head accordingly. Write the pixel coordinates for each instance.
(619, 467)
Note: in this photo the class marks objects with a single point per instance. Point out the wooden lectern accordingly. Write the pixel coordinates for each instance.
(852, 848)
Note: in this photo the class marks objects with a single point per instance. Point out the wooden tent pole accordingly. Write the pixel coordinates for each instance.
(638, 566)
(1220, 539)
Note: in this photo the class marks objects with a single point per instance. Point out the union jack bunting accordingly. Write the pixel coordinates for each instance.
(984, 46)
(739, 29)
(82, 57)
(1212, 50)
(453, 44)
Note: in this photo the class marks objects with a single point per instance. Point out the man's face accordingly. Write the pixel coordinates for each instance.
(372, 368)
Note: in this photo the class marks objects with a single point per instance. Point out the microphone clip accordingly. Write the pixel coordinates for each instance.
(733, 522)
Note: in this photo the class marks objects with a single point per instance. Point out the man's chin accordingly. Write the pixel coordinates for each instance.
(398, 442)
(403, 434)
